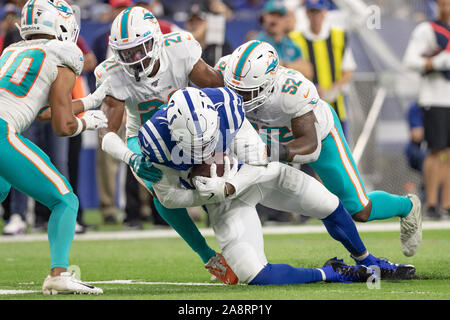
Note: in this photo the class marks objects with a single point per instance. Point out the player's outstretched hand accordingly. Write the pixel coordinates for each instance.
(145, 169)
(95, 99)
(215, 187)
(95, 119)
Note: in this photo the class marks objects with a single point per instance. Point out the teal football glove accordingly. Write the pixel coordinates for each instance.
(145, 169)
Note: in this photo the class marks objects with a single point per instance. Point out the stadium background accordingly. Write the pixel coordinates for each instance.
(378, 51)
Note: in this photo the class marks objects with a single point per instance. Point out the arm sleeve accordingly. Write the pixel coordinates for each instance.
(193, 50)
(114, 146)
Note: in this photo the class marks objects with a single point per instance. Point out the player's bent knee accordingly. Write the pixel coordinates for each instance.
(243, 260)
(69, 200)
(363, 215)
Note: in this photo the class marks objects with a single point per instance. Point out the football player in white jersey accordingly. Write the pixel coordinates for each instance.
(36, 72)
(284, 105)
(146, 68)
(198, 125)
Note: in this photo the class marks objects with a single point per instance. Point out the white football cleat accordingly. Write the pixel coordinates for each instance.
(15, 225)
(66, 283)
(411, 227)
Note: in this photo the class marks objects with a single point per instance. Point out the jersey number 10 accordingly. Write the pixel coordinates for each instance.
(18, 76)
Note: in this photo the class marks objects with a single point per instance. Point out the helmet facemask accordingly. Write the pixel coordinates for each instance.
(139, 59)
(253, 97)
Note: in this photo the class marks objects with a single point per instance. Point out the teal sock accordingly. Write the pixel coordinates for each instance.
(61, 230)
(180, 221)
(386, 205)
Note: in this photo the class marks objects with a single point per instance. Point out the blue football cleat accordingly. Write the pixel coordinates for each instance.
(389, 270)
(337, 271)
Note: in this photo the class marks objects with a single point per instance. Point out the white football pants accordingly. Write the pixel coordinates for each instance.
(236, 222)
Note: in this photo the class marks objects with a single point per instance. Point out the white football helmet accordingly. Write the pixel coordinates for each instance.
(250, 72)
(136, 41)
(193, 123)
(52, 17)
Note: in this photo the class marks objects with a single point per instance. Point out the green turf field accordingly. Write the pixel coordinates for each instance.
(24, 265)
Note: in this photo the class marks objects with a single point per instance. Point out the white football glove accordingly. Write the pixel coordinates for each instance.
(95, 119)
(441, 61)
(215, 187)
(95, 98)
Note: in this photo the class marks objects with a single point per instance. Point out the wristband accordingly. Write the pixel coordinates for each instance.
(79, 128)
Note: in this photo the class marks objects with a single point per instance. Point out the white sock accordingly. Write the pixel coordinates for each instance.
(360, 258)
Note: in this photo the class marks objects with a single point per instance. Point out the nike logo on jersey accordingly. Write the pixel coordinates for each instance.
(306, 95)
(212, 195)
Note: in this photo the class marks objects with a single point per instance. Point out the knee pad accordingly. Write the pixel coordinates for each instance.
(244, 261)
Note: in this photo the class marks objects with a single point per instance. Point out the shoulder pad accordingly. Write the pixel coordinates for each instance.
(104, 69)
(67, 54)
(298, 94)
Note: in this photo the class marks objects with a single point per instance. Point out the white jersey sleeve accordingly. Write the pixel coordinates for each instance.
(298, 94)
(67, 54)
(111, 69)
(183, 47)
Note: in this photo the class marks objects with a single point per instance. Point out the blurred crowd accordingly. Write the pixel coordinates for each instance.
(311, 36)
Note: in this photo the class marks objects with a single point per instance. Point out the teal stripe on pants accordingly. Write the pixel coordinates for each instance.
(332, 172)
(20, 172)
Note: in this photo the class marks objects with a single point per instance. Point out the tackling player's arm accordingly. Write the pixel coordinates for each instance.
(306, 144)
(205, 76)
(114, 110)
(81, 105)
(64, 123)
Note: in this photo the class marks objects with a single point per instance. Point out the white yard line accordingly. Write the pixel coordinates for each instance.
(156, 283)
(5, 292)
(170, 233)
